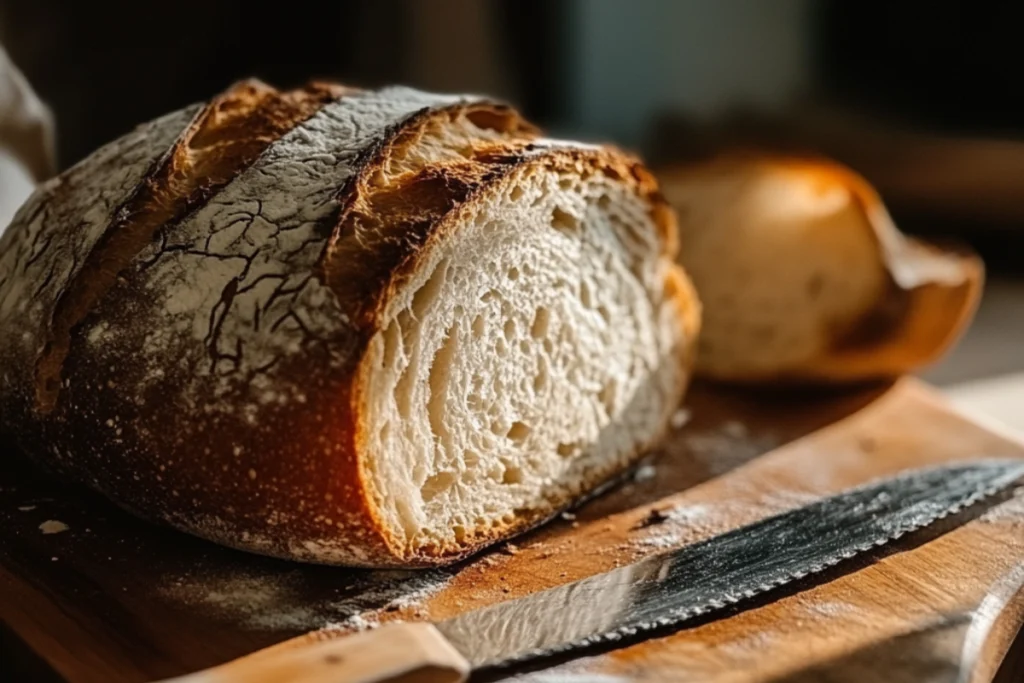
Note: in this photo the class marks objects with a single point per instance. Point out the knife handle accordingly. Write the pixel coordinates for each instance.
(393, 653)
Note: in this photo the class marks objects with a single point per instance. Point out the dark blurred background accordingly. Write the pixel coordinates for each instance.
(923, 98)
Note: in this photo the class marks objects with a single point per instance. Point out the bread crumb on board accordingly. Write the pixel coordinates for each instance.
(26, 508)
(680, 418)
(571, 672)
(1011, 510)
(53, 526)
(644, 473)
(668, 528)
(356, 622)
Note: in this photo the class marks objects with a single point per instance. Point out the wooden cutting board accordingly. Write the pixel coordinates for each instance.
(88, 594)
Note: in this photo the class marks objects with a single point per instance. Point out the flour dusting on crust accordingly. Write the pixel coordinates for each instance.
(39, 255)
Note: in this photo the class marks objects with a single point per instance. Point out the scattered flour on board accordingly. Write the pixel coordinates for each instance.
(679, 525)
(53, 526)
(292, 601)
(571, 677)
(26, 508)
(644, 473)
(680, 418)
(356, 622)
(660, 541)
(728, 446)
(786, 499)
(690, 515)
(830, 609)
(757, 641)
(1011, 510)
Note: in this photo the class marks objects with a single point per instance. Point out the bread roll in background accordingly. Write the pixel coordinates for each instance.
(355, 327)
(804, 278)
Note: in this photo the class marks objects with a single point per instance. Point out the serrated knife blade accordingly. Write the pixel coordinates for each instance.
(672, 588)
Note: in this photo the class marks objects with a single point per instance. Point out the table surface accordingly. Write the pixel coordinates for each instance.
(114, 599)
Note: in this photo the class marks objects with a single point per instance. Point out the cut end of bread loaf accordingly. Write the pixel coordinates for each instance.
(529, 356)
(805, 278)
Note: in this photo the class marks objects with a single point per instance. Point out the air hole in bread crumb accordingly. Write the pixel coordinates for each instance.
(567, 449)
(541, 323)
(540, 380)
(604, 202)
(404, 388)
(510, 329)
(405, 514)
(513, 474)
(516, 194)
(518, 431)
(606, 315)
(436, 485)
(478, 327)
(431, 289)
(524, 346)
(500, 347)
(564, 221)
(471, 458)
(460, 534)
(513, 273)
(565, 183)
(607, 397)
(489, 295)
(549, 346)
(586, 298)
(440, 372)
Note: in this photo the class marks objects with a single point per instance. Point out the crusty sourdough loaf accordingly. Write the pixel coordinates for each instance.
(356, 327)
(804, 277)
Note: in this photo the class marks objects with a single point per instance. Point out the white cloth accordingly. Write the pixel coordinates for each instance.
(26, 140)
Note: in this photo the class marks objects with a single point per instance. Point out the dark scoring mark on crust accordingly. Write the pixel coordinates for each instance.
(224, 139)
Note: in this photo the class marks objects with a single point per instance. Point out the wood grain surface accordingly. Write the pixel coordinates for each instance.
(90, 594)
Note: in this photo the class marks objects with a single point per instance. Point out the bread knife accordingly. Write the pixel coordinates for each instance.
(651, 596)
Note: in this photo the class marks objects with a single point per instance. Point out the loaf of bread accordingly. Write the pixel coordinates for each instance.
(373, 328)
(804, 277)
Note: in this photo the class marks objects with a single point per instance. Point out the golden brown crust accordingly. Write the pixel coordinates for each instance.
(927, 302)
